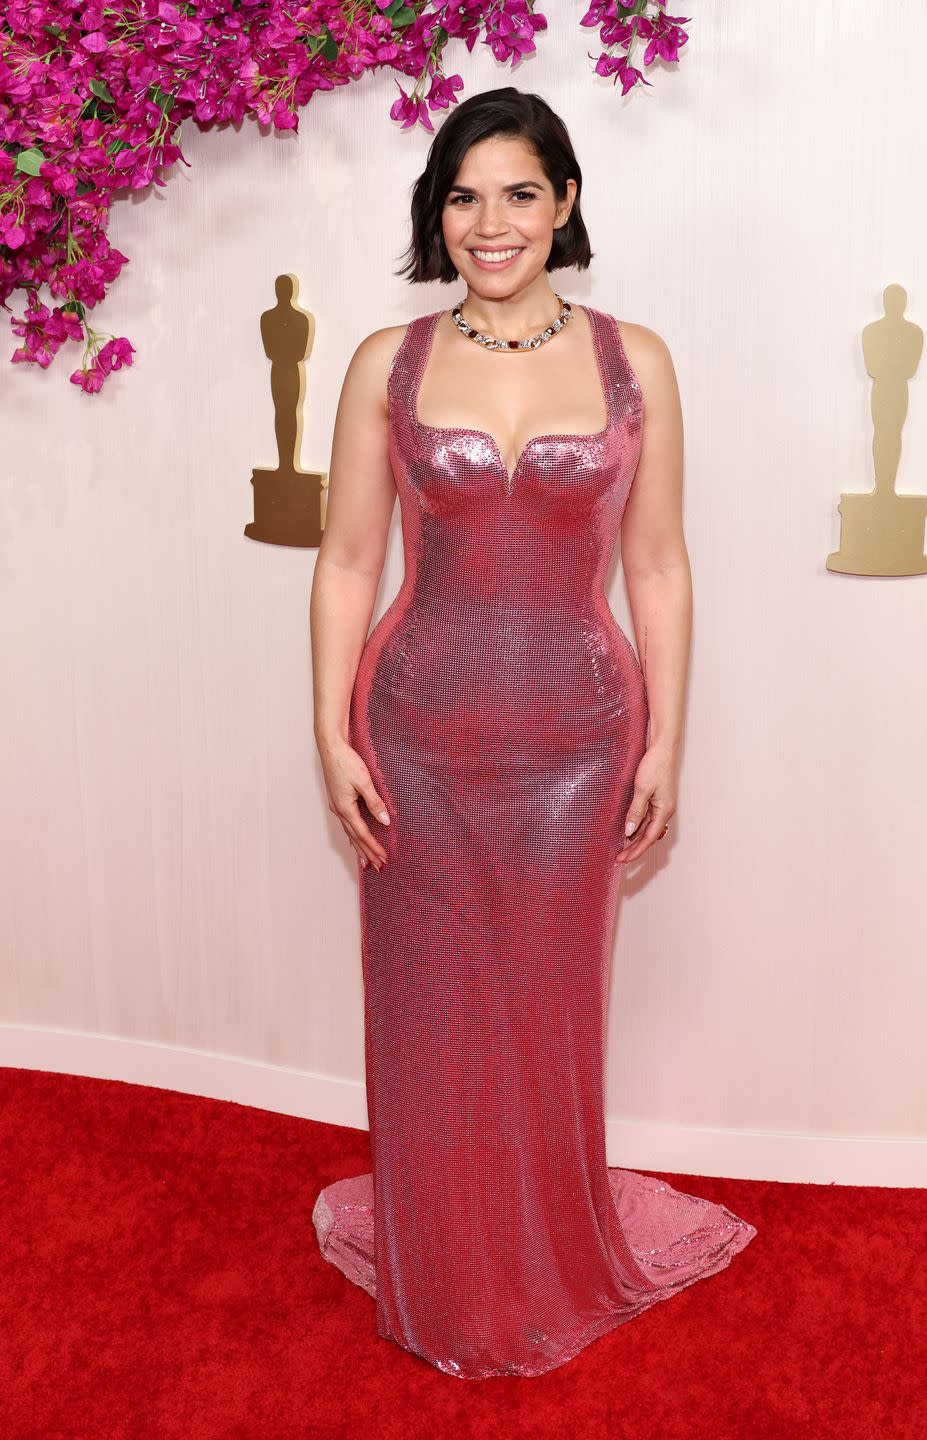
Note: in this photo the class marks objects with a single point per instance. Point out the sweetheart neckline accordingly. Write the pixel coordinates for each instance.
(532, 440)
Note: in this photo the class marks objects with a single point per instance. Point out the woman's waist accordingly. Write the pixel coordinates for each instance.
(517, 650)
(569, 603)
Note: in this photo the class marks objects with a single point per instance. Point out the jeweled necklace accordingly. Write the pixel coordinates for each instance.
(532, 342)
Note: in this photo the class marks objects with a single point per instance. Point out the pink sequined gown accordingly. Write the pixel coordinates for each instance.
(502, 713)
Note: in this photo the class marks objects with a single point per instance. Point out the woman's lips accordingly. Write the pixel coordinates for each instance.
(495, 264)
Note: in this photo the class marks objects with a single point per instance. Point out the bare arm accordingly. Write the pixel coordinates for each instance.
(361, 498)
(656, 566)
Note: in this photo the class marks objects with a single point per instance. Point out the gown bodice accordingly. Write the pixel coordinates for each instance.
(543, 534)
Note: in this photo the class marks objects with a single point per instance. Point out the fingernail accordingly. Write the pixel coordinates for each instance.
(629, 827)
(384, 817)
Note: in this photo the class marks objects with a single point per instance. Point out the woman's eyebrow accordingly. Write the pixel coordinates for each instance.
(516, 185)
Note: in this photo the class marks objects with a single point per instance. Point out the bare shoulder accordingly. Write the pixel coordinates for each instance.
(369, 366)
(642, 345)
(649, 357)
(376, 351)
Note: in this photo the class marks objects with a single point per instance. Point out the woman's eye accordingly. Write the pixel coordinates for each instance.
(528, 195)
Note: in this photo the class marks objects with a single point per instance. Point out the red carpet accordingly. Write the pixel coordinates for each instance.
(161, 1279)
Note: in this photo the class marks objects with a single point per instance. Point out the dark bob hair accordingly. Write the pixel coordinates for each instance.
(508, 112)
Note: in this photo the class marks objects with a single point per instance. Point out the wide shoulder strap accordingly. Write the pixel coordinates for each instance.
(406, 365)
(625, 396)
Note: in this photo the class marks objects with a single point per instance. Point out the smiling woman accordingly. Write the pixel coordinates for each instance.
(491, 256)
(486, 749)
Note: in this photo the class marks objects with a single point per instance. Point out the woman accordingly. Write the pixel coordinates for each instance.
(486, 751)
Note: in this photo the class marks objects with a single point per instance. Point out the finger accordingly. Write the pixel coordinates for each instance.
(649, 837)
(359, 830)
(370, 850)
(637, 810)
(630, 852)
(377, 808)
(373, 802)
(367, 853)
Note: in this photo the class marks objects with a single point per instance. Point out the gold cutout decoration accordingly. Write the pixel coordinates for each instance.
(882, 532)
(289, 503)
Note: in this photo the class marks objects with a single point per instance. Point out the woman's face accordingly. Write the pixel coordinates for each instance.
(502, 201)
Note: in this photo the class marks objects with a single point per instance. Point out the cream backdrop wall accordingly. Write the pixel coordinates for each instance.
(181, 906)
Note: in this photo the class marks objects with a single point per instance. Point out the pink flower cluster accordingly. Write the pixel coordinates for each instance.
(93, 96)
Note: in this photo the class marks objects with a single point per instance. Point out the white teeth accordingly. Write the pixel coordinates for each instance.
(496, 256)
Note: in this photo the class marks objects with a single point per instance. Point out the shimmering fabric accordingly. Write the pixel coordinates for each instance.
(502, 713)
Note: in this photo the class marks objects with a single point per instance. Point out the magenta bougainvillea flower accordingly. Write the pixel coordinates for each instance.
(93, 96)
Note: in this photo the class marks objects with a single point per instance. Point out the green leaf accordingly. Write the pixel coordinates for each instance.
(329, 45)
(28, 161)
(162, 99)
(101, 90)
(402, 18)
(390, 10)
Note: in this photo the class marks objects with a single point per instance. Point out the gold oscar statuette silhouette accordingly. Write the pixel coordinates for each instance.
(289, 503)
(882, 532)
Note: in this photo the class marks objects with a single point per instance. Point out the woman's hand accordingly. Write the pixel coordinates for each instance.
(654, 800)
(346, 777)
